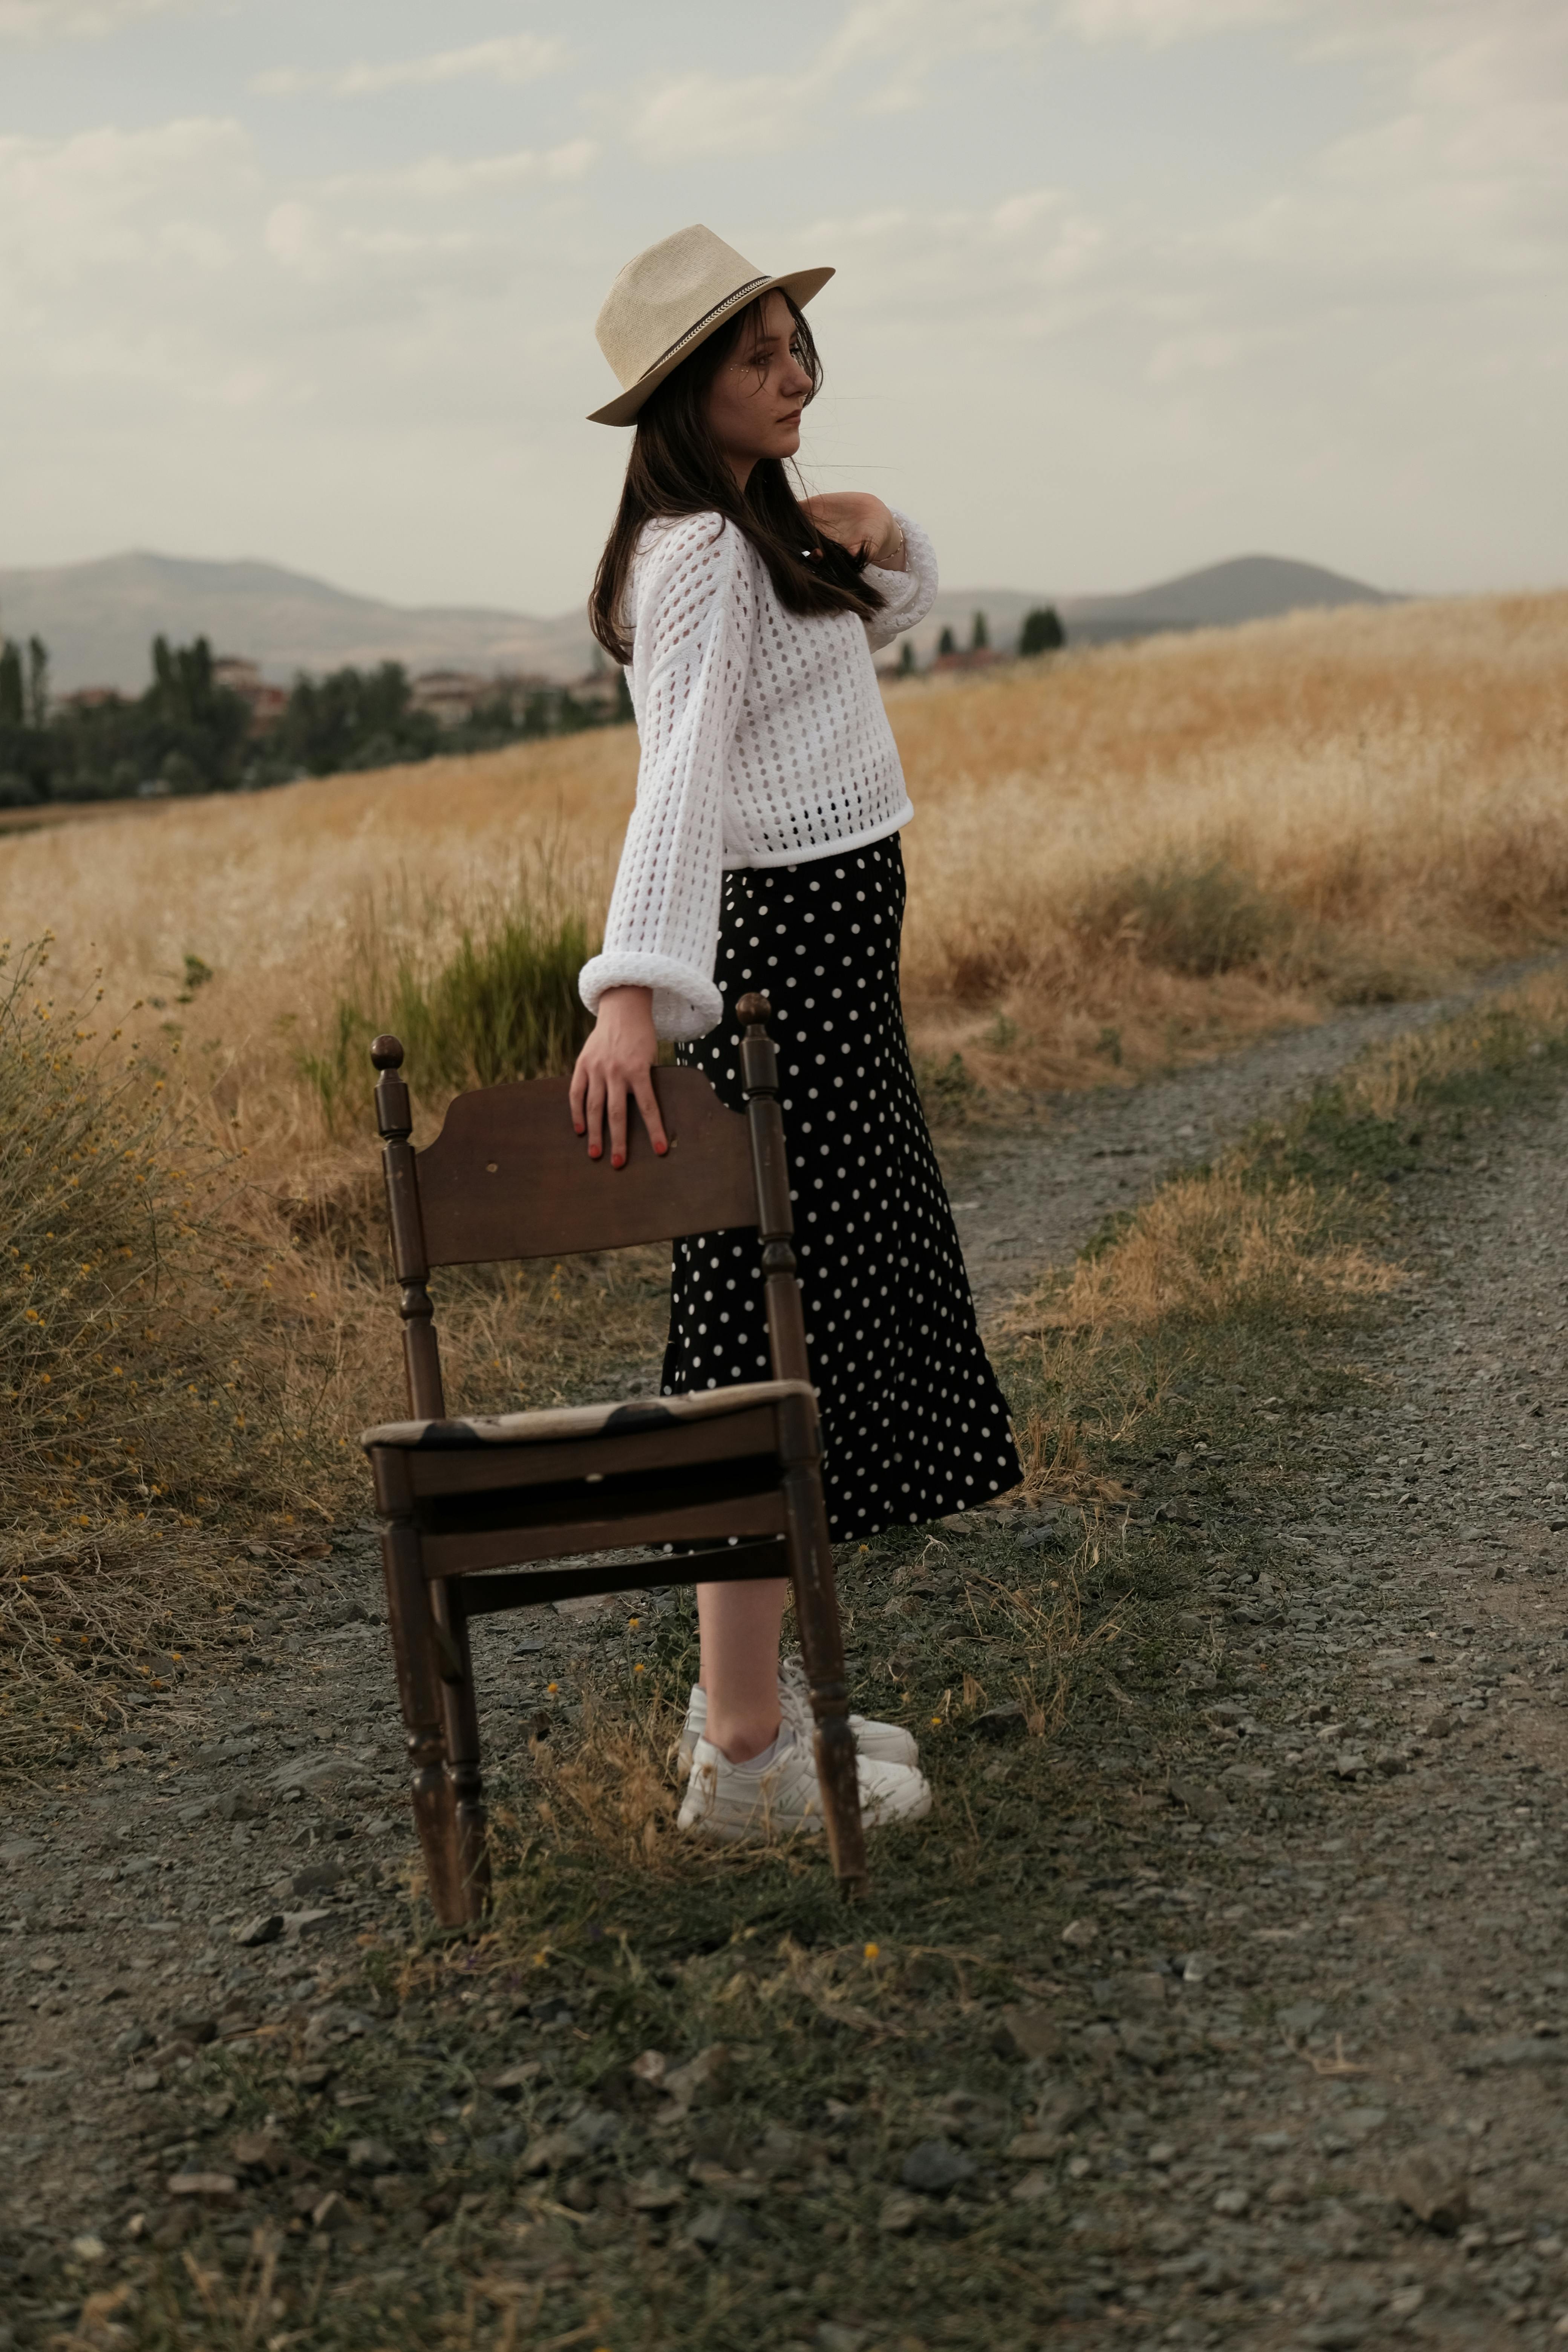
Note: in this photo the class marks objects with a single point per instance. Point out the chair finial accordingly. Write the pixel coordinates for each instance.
(386, 1053)
(754, 1010)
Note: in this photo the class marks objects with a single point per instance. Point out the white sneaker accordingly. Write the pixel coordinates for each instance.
(781, 1797)
(878, 1743)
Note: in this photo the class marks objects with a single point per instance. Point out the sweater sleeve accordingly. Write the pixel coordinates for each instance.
(692, 602)
(908, 592)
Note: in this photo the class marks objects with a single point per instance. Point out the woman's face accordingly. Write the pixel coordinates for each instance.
(760, 392)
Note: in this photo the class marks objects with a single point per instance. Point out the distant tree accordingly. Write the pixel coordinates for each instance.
(980, 635)
(37, 683)
(1042, 632)
(17, 792)
(180, 773)
(624, 710)
(906, 659)
(331, 720)
(947, 643)
(12, 710)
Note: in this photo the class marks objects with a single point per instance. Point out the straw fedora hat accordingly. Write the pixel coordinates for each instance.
(672, 297)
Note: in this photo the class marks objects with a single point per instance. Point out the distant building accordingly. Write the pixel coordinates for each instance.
(451, 695)
(89, 698)
(975, 658)
(600, 691)
(266, 703)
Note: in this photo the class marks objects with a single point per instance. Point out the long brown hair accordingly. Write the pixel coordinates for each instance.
(676, 467)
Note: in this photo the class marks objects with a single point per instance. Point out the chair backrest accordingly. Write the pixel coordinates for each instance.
(506, 1177)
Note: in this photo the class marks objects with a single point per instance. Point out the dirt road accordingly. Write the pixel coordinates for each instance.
(1303, 2082)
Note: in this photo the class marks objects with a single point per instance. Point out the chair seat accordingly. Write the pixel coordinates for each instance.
(583, 1421)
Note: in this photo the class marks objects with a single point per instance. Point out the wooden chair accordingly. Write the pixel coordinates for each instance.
(729, 1476)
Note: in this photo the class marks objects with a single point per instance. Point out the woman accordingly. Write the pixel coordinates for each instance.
(763, 853)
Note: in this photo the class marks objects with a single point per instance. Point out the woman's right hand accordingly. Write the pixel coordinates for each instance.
(618, 1061)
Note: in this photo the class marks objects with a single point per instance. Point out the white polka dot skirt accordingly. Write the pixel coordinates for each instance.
(914, 1424)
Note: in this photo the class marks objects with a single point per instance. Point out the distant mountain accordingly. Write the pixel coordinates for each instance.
(1248, 588)
(99, 619)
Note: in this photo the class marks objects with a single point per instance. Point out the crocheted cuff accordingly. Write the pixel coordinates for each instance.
(686, 1003)
(907, 595)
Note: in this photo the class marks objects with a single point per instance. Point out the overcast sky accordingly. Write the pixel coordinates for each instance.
(1125, 286)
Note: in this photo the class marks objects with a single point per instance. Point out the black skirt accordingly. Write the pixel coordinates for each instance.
(914, 1424)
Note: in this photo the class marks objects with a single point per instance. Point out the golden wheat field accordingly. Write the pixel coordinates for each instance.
(1172, 841)
(1120, 859)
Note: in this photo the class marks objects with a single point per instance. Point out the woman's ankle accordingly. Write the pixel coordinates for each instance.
(741, 1738)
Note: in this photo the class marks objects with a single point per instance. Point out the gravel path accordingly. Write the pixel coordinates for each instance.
(1332, 1977)
(1031, 1198)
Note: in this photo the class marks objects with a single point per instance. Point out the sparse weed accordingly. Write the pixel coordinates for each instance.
(500, 1004)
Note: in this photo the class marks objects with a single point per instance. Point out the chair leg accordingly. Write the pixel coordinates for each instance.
(462, 1724)
(822, 1648)
(419, 1691)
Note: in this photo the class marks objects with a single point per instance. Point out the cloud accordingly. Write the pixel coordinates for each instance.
(39, 21)
(1158, 23)
(447, 176)
(685, 117)
(514, 57)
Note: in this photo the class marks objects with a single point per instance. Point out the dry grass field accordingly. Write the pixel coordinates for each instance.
(1120, 859)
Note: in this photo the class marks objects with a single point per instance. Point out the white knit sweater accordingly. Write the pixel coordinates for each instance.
(765, 742)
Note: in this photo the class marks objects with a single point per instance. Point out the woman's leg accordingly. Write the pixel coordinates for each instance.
(739, 1626)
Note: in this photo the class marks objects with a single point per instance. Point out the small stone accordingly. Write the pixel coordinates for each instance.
(89, 2248)
(970, 2116)
(1430, 2185)
(201, 2184)
(1300, 2018)
(299, 1927)
(1030, 2188)
(1232, 2203)
(832, 2338)
(900, 2214)
(194, 2027)
(512, 2081)
(265, 1929)
(261, 2151)
(130, 2039)
(706, 2076)
(146, 2078)
(650, 2068)
(242, 1805)
(334, 2212)
(935, 2167)
(719, 2226)
(44, 1964)
(1204, 1805)
(1025, 2033)
(1080, 1932)
(372, 2156)
(656, 2192)
(318, 1878)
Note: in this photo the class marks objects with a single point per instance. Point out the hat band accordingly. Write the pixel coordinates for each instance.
(722, 304)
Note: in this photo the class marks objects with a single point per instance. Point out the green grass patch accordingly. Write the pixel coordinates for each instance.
(500, 1003)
